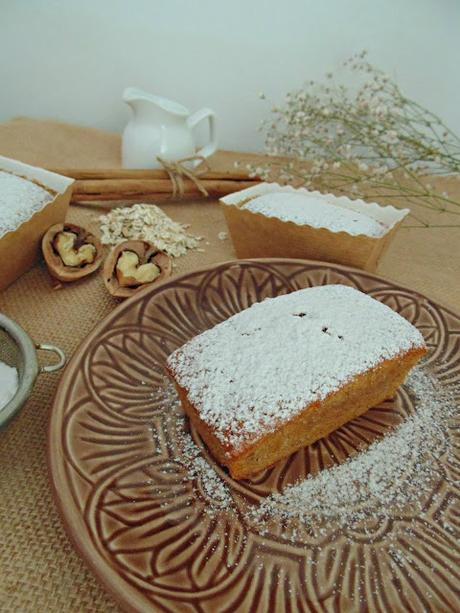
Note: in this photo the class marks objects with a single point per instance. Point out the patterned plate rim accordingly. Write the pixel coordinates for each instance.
(123, 592)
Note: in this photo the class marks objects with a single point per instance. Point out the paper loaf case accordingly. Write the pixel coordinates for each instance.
(257, 236)
(20, 248)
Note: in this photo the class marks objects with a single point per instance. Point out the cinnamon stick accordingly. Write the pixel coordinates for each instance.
(126, 186)
(134, 188)
(124, 173)
(123, 186)
(114, 199)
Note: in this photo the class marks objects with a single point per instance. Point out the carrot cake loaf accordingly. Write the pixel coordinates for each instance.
(290, 370)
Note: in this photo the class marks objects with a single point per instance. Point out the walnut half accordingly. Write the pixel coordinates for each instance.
(65, 244)
(131, 273)
(133, 265)
(71, 252)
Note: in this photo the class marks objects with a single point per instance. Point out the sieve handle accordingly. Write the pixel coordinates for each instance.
(61, 355)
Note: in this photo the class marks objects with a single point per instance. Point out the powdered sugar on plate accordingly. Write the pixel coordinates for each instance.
(198, 468)
(186, 453)
(19, 200)
(303, 209)
(391, 478)
(392, 475)
(259, 368)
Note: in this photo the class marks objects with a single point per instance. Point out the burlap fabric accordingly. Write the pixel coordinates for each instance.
(39, 570)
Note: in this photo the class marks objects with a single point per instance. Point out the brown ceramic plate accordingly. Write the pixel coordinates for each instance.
(150, 538)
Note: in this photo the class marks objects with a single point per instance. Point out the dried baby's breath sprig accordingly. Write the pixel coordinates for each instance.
(366, 141)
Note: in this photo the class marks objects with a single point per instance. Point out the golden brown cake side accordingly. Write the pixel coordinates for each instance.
(315, 421)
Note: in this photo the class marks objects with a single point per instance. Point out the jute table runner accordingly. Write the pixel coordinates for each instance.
(39, 570)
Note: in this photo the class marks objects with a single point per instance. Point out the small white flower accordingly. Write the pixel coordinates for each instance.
(336, 165)
(392, 137)
(363, 166)
(380, 111)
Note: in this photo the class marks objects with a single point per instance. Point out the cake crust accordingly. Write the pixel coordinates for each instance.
(290, 370)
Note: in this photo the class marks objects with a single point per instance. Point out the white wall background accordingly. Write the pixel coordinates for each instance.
(70, 60)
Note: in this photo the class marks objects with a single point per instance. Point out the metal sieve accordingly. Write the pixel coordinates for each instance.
(17, 349)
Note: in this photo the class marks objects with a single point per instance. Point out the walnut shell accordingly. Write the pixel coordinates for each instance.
(147, 252)
(56, 267)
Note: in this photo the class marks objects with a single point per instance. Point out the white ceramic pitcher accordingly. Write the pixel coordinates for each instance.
(161, 127)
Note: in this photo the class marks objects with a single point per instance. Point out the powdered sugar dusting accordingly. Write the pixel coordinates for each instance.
(391, 475)
(392, 478)
(303, 209)
(262, 366)
(196, 469)
(8, 383)
(19, 200)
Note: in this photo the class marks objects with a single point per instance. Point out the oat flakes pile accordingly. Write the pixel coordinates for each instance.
(147, 222)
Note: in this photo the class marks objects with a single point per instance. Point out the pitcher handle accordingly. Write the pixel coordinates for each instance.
(195, 119)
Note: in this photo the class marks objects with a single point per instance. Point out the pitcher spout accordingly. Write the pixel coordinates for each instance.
(135, 95)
